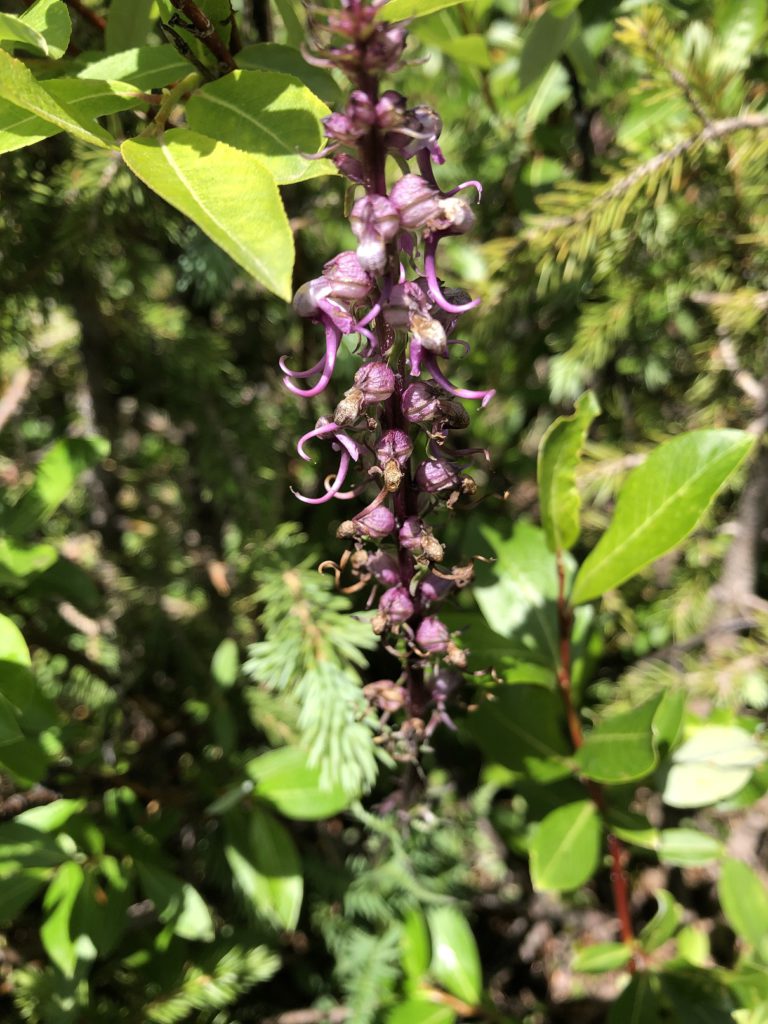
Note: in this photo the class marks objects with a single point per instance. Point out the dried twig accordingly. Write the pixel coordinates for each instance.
(85, 12)
(206, 32)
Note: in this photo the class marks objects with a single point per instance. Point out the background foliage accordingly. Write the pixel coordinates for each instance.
(207, 815)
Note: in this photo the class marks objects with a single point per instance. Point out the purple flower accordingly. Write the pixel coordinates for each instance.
(397, 605)
(432, 636)
(374, 221)
(376, 381)
(435, 475)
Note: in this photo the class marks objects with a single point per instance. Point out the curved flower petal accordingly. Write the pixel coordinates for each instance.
(335, 487)
(430, 271)
(332, 341)
(442, 380)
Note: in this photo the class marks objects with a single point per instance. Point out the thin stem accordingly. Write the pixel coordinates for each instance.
(206, 32)
(85, 12)
(170, 100)
(619, 882)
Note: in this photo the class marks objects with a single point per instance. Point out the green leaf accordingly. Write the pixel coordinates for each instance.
(661, 502)
(128, 24)
(19, 561)
(518, 594)
(455, 959)
(419, 1011)
(86, 99)
(716, 762)
(10, 730)
(693, 946)
(285, 778)
(267, 868)
(688, 848)
(203, 179)
(146, 67)
(17, 684)
(51, 817)
(521, 729)
(18, 890)
(565, 847)
(559, 454)
(638, 1003)
(176, 902)
(266, 113)
(620, 748)
(664, 922)
(744, 900)
(415, 944)
(225, 664)
(19, 87)
(55, 479)
(602, 957)
(398, 10)
(15, 33)
(13, 646)
(547, 39)
(51, 19)
(55, 933)
(276, 57)
(740, 27)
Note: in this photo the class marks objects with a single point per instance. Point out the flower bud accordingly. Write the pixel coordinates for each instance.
(383, 568)
(435, 475)
(404, 300)
(420, 403)
(371, 522)
(417, 537)
(346, 277)
(416, 201)
(453, 415)
(432, 635)
(376, 381)
(307, 297)
(349, 167)
(390, 110)
(396, 604)
(343, 129)
(384, 48)
(434, 588)
(374, 221)
(454, 216)
(393, 445)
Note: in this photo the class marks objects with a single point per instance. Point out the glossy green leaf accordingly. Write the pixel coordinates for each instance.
(415, 945)
(51, 19)
(455, 960)
(14, 33)
(546, 40)
(268, 114)
(559, 454)
(518, 593)
(146, 67)
(18, 685)
(202, 178)
(225, 664)
(716, 762)
(419, 1011)
(26, 760)
(688, 847)
(55, 479)
(50, 817)
(285, 778)
(397, 10)
(693, 945)
(19, 561)
(602, 957)
(10, 730)
(19, 87)
(13, 646)
(128, 24)
(620, 748)
(634, 829)
(266, 866)
(521, 728)
(176, 902)
(87, 99)
(664, 922)
(744, 900)
(661, 502)
(565, 847)
(58, 902)
(276, 57)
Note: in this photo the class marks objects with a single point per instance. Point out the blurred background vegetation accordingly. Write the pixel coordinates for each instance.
(620, 246)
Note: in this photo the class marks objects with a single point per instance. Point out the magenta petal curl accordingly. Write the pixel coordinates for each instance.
(442, 380)
(332, 339)
(434, 287)
(467, 184)
(464, 344)
(335, 487)
(326, 428)
(317, 368)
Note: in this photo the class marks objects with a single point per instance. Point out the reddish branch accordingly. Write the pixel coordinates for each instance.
(206, 32)
(619, 884)
(85, 12)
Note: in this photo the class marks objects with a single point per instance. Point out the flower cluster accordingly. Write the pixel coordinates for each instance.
(392, 427)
